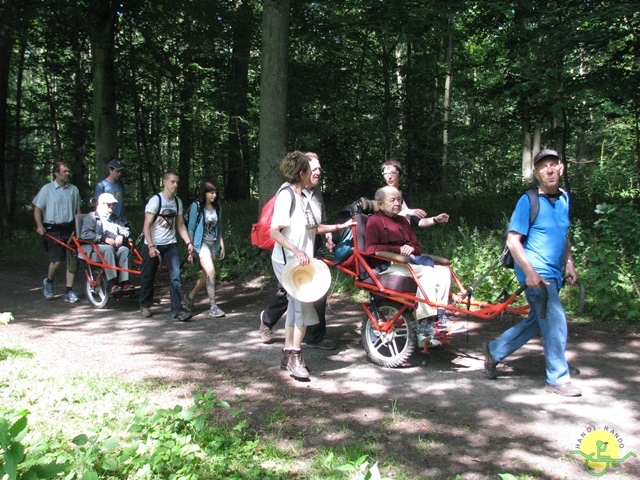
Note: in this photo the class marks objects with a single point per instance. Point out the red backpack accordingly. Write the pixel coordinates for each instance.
(260, 236)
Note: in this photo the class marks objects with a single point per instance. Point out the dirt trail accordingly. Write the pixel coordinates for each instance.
(437, 418)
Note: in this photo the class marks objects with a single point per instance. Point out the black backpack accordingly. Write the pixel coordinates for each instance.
(187, 213)
(506, 259)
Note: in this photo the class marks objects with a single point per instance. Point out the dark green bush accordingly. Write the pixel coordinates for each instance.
(612, 264)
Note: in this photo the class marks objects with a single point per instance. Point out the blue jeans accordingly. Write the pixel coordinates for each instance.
(553, 329)
(171, 258)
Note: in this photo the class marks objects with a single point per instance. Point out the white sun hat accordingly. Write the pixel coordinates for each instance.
(306, 283)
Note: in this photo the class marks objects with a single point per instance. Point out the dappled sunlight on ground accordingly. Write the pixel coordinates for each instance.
(438, 416)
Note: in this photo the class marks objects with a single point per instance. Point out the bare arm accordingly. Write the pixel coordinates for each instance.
(413, 212)
(280, 239)
(431, 221)
(570, 269)
(184, 234)
(37, 215)
(323, 228)
(146, 230)
(514, 243)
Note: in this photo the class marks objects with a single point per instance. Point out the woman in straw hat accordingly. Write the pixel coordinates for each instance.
(294, 232)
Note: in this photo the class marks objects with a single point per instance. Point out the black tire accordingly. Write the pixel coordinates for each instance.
(394, 348)
(97, 295)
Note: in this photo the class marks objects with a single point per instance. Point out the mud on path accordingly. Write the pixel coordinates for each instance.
(437, 418)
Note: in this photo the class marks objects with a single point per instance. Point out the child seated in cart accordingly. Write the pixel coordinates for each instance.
(108, 233)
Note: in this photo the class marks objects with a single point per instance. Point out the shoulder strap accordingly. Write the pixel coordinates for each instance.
(199, 212)
(534, 205)
(293, 201)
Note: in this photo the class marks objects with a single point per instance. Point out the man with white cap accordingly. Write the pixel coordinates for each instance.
(113, 185)
(110, 236)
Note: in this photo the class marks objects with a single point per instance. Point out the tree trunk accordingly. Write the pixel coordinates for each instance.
(273, 94)
(6, 47)
(15, 160)
(446, 108)
(386, 106)
(104, 83)
(185, 133)
(237, 180)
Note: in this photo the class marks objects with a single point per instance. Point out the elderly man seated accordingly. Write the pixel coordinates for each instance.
(104, 229)
(389, 232)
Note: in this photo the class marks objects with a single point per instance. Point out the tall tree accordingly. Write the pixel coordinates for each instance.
(238, 87)
(273, 94)
(104, 81)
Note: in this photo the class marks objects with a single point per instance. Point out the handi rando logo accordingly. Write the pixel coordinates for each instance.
(600, 449)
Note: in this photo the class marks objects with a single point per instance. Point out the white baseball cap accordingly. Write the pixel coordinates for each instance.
(107, 198)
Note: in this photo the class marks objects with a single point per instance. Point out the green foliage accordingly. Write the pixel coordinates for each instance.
(176, 443)
(475, 252)
(612, 271)
(15, 463)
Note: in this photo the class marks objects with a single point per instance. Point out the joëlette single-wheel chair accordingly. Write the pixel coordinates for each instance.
(96, 265)
(389, 329)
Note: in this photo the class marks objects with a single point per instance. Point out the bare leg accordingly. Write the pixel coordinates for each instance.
(211, 291)
(200, 283)
(53, 268)
(293, 337)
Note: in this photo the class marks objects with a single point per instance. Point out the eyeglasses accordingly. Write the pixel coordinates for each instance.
(548, 167)
(389, 174)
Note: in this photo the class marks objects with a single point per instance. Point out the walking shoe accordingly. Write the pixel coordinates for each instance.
(443, 320)
(115, 289)
(71, 297)
(188, 303)
(264, 331)
(324, 344)
(566, 390)
(296, 366)
(489, 363)
(216, 311)
(145, 312)
(125, 286)
(48, 289)
(425, 327)
(182, 316)
(284, 359)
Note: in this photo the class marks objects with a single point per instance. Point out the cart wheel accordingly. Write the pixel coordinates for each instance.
(97, 294)
(393, 348)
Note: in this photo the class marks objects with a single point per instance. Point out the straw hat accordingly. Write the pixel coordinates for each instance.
(306, 283)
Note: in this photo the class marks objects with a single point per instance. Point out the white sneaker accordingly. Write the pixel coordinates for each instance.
(71, 297)
(215, 311)
(48, 288)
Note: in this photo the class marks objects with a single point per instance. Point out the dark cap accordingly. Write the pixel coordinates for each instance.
(544, 154)
(116, 164)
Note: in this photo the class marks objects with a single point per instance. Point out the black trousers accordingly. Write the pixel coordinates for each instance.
(278, 305)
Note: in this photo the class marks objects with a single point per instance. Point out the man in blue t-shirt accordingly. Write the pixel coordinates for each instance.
(541, 253)
(113, 185)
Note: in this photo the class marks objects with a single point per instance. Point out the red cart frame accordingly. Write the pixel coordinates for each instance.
(389, 329)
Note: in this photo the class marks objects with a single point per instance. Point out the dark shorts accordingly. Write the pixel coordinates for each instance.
(57, 252)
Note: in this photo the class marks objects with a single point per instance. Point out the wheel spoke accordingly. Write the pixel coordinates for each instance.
(391, 348)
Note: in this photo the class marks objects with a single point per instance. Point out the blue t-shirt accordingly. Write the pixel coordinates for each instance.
(546, 239)
(117, 190)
